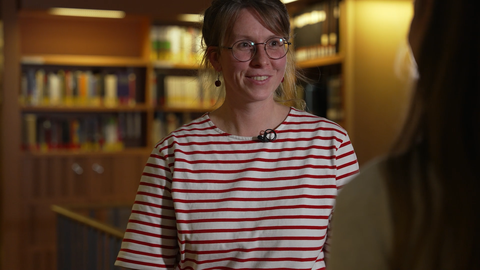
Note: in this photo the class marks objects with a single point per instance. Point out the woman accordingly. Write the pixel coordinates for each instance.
(418, 208)
(219, 193)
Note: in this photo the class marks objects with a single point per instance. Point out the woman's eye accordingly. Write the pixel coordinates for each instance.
(243, 45)
(275, 43)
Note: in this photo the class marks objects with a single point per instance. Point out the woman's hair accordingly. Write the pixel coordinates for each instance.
(218, 21)
(432, 173)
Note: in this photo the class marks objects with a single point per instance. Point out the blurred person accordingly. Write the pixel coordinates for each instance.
(418, 208)
(250, 185)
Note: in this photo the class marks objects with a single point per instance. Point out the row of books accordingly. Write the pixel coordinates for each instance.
(317, 30)
(181, 91)
(325, 98)
(164, 123)
(109, 132)
(175, 44)
(78, 88)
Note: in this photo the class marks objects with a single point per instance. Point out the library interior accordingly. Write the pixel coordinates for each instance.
(84, 99)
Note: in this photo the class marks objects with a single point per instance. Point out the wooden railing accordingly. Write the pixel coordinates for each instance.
(89, 236)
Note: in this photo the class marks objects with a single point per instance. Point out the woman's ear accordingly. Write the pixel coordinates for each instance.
(214, 58)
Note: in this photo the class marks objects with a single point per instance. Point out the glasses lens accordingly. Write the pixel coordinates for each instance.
(276, 48)
(243, 50)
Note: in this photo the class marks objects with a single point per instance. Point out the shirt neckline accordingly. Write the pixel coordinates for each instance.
(245, 138)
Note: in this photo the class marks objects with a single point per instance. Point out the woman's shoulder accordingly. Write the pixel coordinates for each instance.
(369, 183)
(307, 119)
(200, 125)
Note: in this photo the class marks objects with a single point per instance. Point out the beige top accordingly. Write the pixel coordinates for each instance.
(362, 227)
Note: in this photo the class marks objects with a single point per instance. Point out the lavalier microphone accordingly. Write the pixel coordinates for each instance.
(267, 135)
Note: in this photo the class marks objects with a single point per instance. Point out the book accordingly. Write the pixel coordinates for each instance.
(122, 87)
(154, 43)
(82, 84)
(69, 88)
(333, 26)
(55, 93)
(153, 86)
(96, 84)
(334, 98)
(110, 98)
(316, 30)
(74, 134)
(158, 127)
(30, 131)
(37, 94)
(132, 88)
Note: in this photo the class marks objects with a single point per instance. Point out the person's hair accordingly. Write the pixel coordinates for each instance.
(432, 171)
(219, 19)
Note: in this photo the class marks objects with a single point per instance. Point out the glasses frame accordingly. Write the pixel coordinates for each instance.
(255, 48)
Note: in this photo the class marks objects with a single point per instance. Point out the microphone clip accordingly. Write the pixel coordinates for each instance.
(268, 135)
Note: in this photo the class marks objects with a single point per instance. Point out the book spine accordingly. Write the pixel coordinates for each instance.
(111, 90)
(132, 88)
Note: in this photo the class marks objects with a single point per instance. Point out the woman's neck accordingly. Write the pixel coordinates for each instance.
(249, 119)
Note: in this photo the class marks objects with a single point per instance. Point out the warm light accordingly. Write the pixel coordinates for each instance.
(288, 1)
(87, 12)
(190, 17)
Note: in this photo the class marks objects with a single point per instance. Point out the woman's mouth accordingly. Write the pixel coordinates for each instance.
(259, 78)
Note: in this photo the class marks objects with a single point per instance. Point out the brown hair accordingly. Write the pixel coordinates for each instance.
(221, 16)
(432, 172)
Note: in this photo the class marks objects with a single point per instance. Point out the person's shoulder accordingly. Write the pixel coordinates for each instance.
(200, 125)
(301, 117)
(369, 183)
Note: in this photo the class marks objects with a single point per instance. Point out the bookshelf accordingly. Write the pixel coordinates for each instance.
(319, 42)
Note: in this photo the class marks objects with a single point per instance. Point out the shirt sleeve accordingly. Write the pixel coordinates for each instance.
(346, 162)
(362, 225)
(347, 167)
(150, 240)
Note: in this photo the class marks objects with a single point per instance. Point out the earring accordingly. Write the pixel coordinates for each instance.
(218, 82)
(283, 79)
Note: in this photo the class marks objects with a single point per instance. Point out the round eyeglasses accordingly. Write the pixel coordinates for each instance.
(244, 50)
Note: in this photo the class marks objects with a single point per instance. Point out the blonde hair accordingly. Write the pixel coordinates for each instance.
(221, 16)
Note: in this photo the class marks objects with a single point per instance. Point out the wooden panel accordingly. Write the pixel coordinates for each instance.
(164, 11)
(39, 258)
(99, 173)
(41, 34)
(127, 177)
(77, 185)
(42, 224)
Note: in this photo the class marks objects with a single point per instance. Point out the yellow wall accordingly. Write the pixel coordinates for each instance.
(377, 31)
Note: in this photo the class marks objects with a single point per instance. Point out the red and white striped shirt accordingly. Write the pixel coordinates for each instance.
(212, 200)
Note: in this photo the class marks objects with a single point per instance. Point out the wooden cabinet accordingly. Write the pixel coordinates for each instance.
(70, 180)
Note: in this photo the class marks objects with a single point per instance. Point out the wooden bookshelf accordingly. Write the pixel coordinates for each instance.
(84, 60)
(86, 109)
(323, 61)
(170, 65)
(37, 179)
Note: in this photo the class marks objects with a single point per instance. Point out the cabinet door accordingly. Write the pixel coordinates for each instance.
(98, 175)
(41, 179)
(126, 176)
(76, 176)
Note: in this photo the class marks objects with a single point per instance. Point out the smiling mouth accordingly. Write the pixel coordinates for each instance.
(260, 78)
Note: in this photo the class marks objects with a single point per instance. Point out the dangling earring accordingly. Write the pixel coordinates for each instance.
(218, 82)
(283, 79)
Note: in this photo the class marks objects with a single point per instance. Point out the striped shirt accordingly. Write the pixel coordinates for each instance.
(212, 200)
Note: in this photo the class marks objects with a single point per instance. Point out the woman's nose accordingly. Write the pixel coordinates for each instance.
(260, 57)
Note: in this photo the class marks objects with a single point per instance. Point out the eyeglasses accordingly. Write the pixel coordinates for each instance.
(245, 50)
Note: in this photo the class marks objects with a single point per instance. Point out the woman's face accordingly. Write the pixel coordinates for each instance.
(254, 80)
